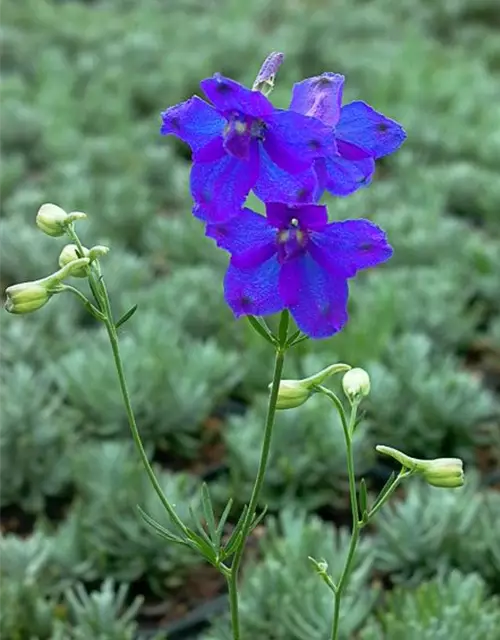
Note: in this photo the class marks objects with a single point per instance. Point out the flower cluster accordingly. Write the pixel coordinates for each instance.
(292, 258)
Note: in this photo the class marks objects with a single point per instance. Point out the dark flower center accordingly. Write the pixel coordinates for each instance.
(292, 241)
(240, 131)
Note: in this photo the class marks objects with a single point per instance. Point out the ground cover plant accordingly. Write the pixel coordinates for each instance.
(83, 87)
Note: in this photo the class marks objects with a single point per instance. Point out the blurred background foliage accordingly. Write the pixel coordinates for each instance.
(83, 86)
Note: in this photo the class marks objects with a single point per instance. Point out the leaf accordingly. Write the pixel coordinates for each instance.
(208, 512)
(160, 530)
(222, 521)
(385, 489)
(363, 501)
(126, 316)
(262, 330)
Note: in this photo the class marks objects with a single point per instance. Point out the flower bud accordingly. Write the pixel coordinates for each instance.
(293, 393)
(264, 81)
(69, 254)
(440, 472)
(444, 472)
(53, 220)
(26, 297)
(356, 384)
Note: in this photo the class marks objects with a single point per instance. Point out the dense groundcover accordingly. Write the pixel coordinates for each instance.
(83, 86)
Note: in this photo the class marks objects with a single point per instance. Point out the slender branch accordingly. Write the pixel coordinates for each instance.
(259, 480)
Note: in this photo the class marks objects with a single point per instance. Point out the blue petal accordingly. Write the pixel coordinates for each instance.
(228, 95)
(254, 291)
(193, 121)
(316, 298)
(341, 177)
(361, 125)
(243, 232)
(320, 96)
(293, 141)
(275, 184)
(348, 246)
(220, 188)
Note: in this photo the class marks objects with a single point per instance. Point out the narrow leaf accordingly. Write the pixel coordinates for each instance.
(363, 501)
(261, 329)
(160, 530)
(292, 338)
(126, 316)
(208, 512)
(228, 549)
(204, 547)
(385, 489)
(222, 521)
(283, 327)
(200, 528)
(258, 519)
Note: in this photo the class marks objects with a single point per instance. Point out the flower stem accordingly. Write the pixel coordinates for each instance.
(102, 297)
(259, 480)
(348, 428)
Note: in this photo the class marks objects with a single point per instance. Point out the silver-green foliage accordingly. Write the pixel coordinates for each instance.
(307, 462)
(174, 382)
(104, 527)
(454, 606)
(428, 529)
(28, 597)
(37, 433)
(424, 403)
(282, 598)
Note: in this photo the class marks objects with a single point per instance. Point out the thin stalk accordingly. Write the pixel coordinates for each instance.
(254, 499)
(113, 338)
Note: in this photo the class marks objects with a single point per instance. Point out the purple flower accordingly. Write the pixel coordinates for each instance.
(243, 143)
(295, 259)
(362, 134)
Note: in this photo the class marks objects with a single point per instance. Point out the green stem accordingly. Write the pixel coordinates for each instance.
(102, 295)
(348, 429)
(254, 499)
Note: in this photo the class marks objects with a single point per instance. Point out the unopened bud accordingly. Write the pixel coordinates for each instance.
(356, 384)
(445, 472)
(293, 393)
(440, 472)
(26, 297)
(53, 220)
(264, 81)
(69, 254)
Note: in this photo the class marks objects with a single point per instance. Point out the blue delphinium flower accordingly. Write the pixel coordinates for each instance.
(243, 142)
(362, 134)
(294, 259)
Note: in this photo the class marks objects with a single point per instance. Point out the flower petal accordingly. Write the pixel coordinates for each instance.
(293, 140)
(229, 95)
(361, 125)
(348, 246)
(316, 298)
(253, 291)
(220, 188)
(341, 177)
(320, 96)
(275, 184)
(193, 121)
(309, 216)
(244, 231)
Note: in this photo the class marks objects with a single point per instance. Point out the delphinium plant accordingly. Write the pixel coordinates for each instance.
(291, 261)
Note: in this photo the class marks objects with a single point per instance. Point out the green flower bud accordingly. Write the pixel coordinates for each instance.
(26, 297)
(69, 254)
(356, 384)
(53, 220)
(293, 393)
(440, 472)
(444, 472)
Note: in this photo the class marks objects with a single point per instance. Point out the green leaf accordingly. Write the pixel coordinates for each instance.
(385, 489)
(283, 327)
(222, 521)
(160, 530)
(208, 512)
(262, 329)
(126, 316)
(363, 501)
